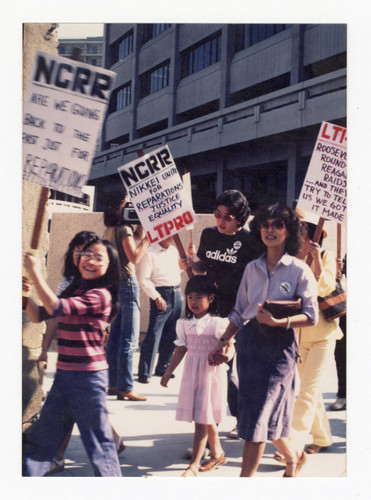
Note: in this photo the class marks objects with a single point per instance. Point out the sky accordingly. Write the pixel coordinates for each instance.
(79, 30)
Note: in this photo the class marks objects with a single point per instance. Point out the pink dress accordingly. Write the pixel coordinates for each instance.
(203, 389)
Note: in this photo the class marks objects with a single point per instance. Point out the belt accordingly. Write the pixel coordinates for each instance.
(167, 287)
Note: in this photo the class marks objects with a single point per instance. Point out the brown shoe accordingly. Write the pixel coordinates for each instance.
(213, 463)
(314, 448)
(131, 396)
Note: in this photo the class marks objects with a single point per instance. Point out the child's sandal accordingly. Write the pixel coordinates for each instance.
(189, 469)
(213, 463)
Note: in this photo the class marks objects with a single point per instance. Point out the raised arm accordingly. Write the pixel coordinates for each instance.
(134, 253)
(46, 295)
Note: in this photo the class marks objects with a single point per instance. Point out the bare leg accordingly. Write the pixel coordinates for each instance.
(199, 444)
(214, 441)
(295, 457)
(252, 453)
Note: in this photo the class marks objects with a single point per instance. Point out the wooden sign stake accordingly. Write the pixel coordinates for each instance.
(35, 240)
(316, 237)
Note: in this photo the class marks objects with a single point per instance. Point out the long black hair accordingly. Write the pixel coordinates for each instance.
(109, 280)
(203, 285)
(80, 239)
(292, 222)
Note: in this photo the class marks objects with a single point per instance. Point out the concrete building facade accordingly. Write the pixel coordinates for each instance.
(240, 106)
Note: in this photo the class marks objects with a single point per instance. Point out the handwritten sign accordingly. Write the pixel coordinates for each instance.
(324, 190)
(158, 194)
(64, 108)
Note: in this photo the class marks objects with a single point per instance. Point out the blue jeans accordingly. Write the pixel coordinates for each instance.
(74, 397)
(161, 332)
(123, 337)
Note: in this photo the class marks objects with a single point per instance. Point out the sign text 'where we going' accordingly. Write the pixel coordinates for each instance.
(64, 107)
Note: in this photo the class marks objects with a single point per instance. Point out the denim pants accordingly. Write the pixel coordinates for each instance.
(123, 337)
(74, 397)
(161, 332)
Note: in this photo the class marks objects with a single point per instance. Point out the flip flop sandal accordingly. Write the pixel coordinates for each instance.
(55, 466)
(314, 448)
(120, 446)
(213, 463)
(188, 470)
(279, 457)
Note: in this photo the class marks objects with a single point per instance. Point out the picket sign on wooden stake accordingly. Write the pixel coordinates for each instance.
(176, 238)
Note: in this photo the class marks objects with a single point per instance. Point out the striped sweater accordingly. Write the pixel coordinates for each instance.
(82, 320)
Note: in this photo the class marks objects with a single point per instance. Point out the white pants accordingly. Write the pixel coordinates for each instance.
(309, 411)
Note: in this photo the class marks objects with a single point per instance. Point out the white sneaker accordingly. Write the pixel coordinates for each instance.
(234, 433)
(189, 451)
(339, 404)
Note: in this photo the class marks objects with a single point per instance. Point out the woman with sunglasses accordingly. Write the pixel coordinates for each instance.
(316, 349)
(267, 347)
(223, 253)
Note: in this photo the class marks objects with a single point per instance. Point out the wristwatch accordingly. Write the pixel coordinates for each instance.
(224, 341)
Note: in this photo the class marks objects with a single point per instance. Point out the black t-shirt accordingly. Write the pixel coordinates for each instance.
(225, 257)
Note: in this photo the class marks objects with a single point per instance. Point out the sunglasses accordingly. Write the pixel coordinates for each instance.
(276, 224)
(226, 218)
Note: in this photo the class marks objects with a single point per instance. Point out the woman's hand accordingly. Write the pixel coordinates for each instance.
(191, 250)
(315, 251)
(265, 317)
(218, 356)
(184, 263)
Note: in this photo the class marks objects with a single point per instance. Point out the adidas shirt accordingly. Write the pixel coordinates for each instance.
(226, 257)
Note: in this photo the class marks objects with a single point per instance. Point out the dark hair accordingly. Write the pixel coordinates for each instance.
(292, 222)
(311, 228)
(109, 280)
(79, 239)
(111, 205)
(236, 203)
(203, 285)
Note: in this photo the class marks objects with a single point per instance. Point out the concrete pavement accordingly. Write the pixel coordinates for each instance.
(155, 442)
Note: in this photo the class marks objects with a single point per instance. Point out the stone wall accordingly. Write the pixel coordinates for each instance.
(35, 37)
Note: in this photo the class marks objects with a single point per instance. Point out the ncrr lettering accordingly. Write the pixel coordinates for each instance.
(76, 78)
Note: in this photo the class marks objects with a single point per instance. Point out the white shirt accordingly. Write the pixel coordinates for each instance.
(158, 267)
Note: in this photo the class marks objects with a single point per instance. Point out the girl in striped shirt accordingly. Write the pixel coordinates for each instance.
(78, 393)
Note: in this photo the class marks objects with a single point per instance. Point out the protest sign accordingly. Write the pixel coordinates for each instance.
(324, 190)
(64, 107)
(156, 190)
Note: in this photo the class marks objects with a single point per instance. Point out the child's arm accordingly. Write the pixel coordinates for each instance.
(175, 360)
(46, 295)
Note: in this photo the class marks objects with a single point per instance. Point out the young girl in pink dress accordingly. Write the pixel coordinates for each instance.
(203, 389)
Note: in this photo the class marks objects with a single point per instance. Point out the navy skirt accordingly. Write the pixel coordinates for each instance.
(266, 359)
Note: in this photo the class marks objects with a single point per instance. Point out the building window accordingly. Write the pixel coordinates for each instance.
(122, 48)
(152, 30)
(121, 98)
(202, 55)
(250, 34)
(155, 79)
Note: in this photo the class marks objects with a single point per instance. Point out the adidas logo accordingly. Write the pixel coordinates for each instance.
(222, 257)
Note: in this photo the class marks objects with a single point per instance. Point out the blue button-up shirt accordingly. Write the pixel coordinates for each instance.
(291, 278)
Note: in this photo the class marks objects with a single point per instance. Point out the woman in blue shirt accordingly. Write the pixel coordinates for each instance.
(267, 347)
